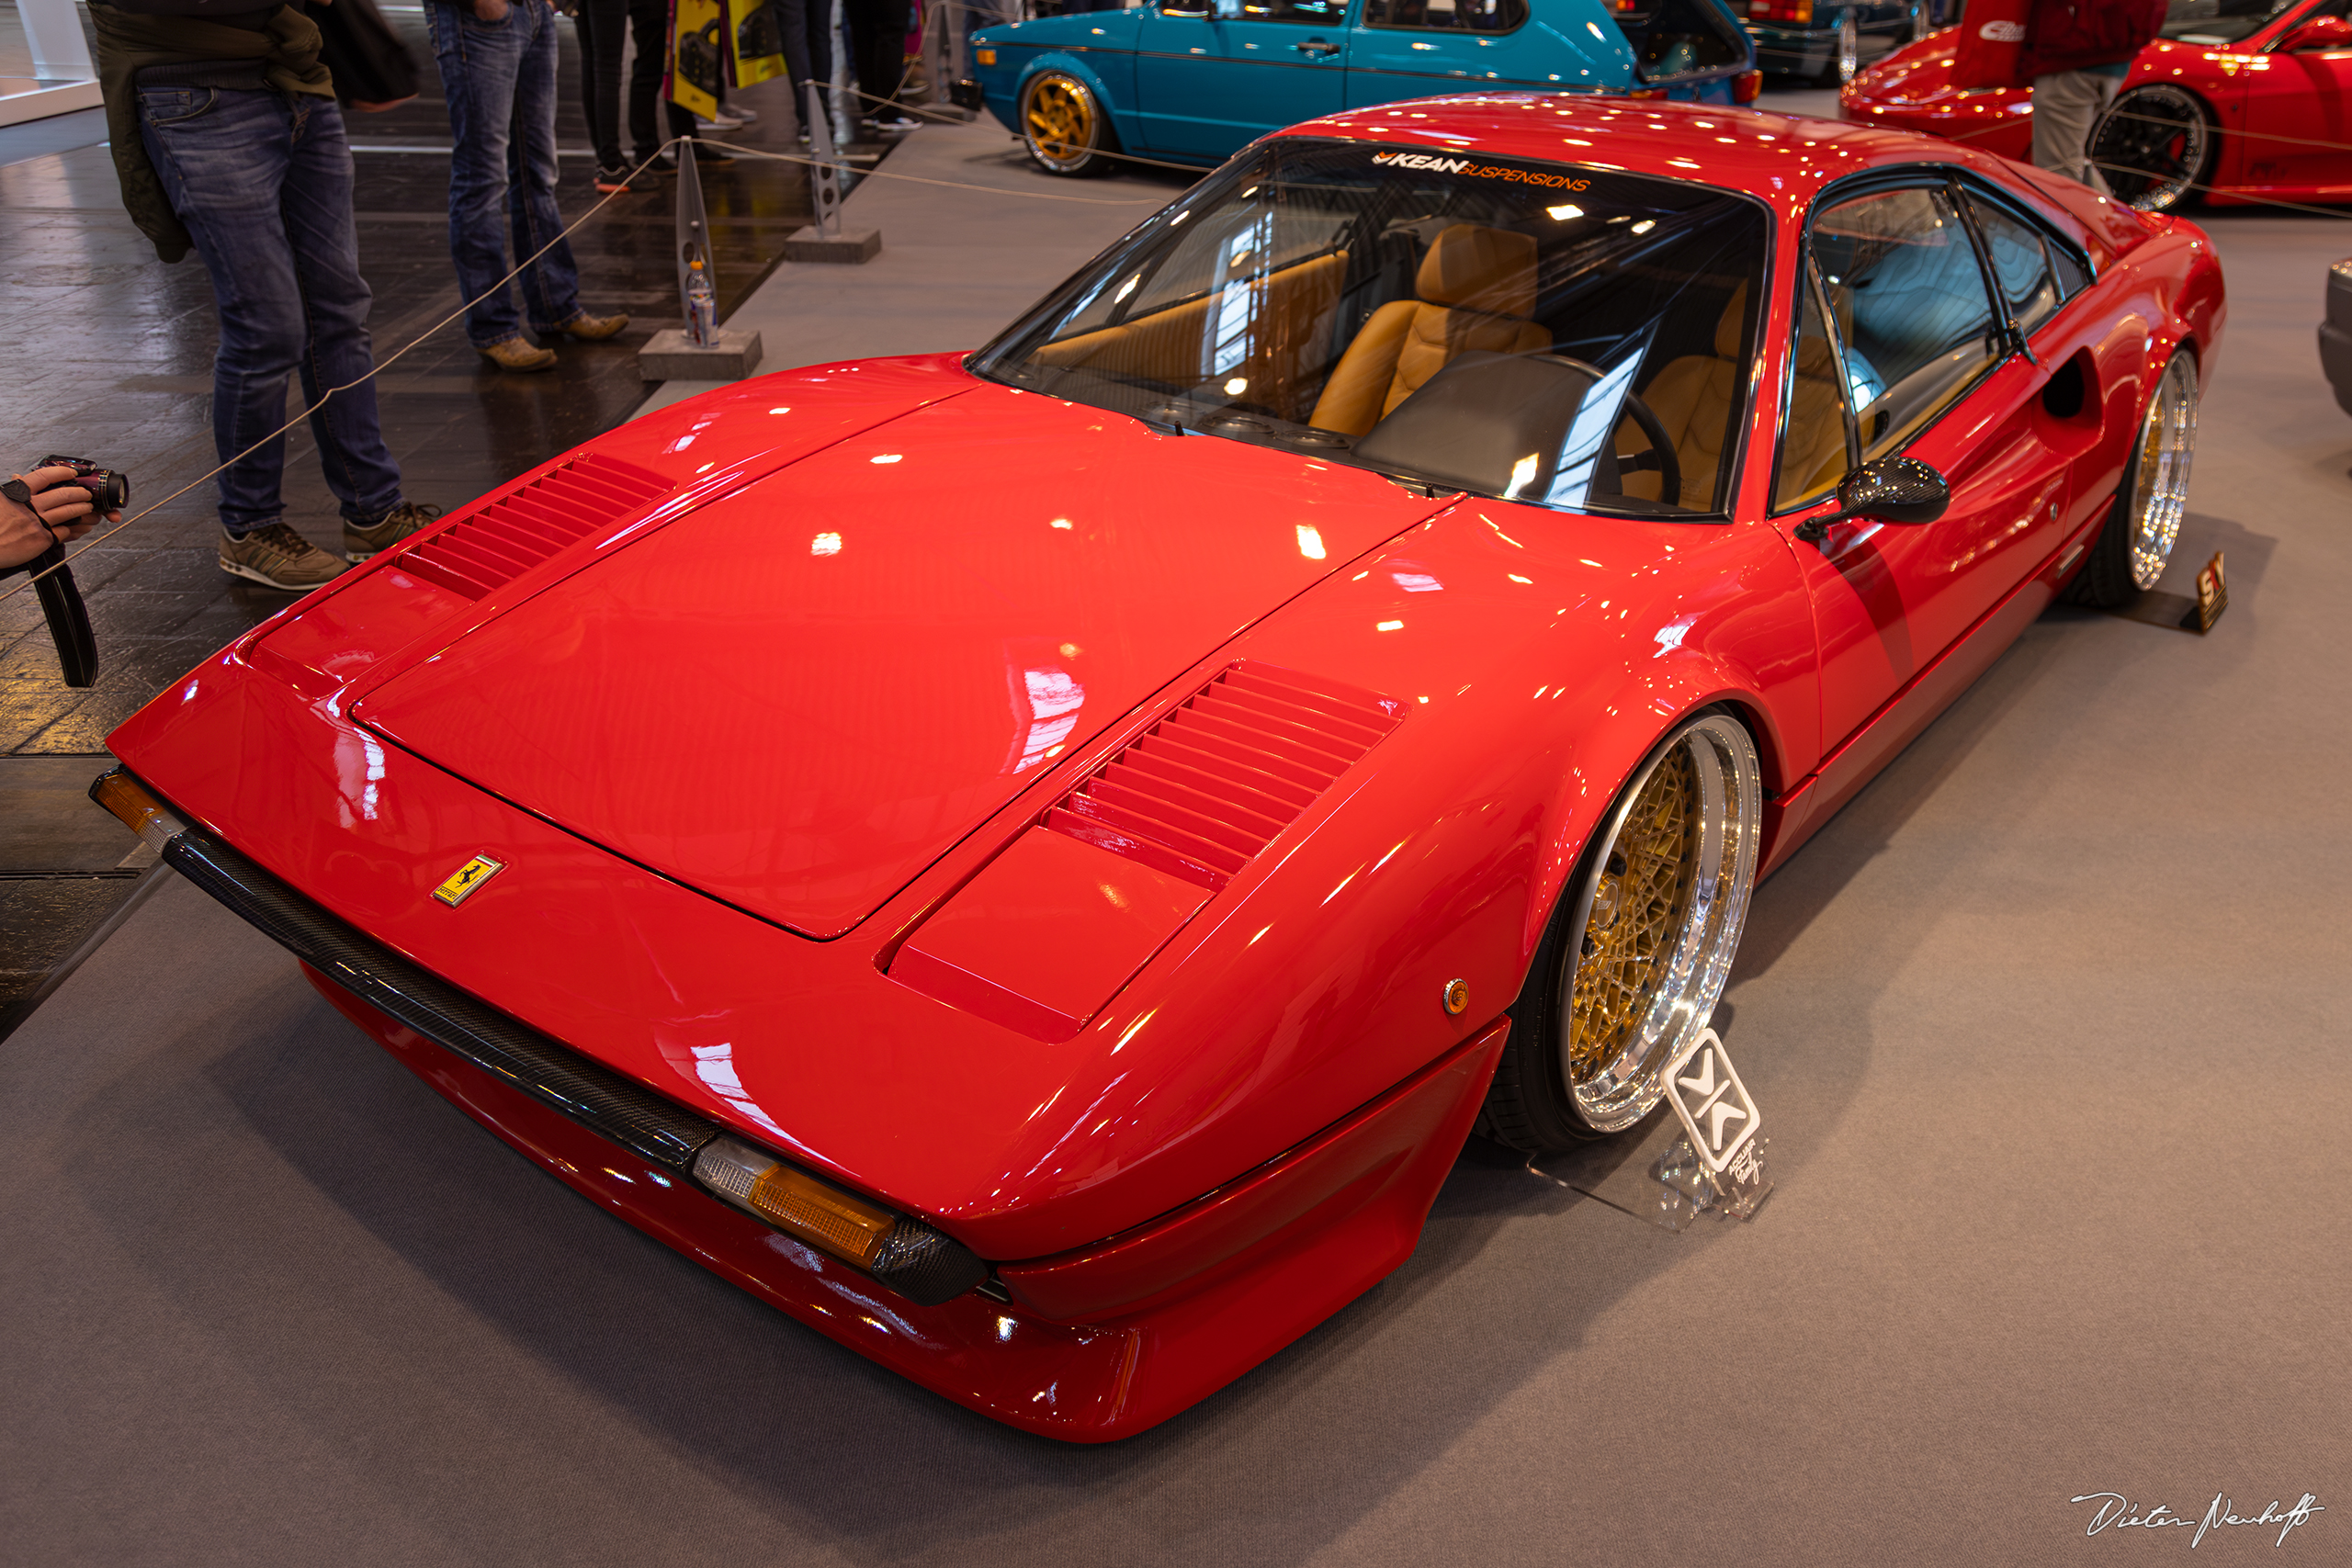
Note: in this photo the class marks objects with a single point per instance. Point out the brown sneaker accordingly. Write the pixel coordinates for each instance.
(590, 329)
(277, 557)
(406, 518)
(516, 354)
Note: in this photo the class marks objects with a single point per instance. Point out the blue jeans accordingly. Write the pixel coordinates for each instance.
(263, 182)
(499, 79)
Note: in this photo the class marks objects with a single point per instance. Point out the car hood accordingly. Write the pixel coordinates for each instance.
(795, 696)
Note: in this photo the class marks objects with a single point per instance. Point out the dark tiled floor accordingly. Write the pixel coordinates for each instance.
(112, 355)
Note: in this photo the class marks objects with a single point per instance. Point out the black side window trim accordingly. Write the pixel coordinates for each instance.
(1978, 191)
(1877, 182)
(1364, 19)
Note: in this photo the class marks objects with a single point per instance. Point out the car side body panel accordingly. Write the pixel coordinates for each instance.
(1195, 89)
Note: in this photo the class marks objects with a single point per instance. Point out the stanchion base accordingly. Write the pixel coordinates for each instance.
(668, 356)
(851, 245)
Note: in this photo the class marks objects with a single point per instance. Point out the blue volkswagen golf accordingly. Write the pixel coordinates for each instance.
(1193, 81)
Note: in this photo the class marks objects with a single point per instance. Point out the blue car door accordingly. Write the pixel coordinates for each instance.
(1410, 49)
(1208, 84)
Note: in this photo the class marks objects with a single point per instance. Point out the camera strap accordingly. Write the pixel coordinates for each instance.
(69, 620)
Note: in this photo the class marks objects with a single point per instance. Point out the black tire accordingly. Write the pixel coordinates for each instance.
(1064, 126)
(2143, 526)
(2155, 147)
(1544, 1096)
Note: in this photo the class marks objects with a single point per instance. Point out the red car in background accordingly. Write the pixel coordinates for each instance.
(2237, 99)
(1034, 863)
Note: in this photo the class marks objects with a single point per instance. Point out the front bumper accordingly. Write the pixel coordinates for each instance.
(1088, 1346)
(917, 1261)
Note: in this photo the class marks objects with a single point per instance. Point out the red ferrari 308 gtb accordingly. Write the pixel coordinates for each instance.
(2238, 98)
(1034, 861)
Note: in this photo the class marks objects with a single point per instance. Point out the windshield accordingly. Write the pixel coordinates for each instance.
(1564, 335)
(2218, 23)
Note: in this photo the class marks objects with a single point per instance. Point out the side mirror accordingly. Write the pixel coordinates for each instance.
(2320, 32)
(1901, 490)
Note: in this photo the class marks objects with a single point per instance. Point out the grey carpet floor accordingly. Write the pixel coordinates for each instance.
(2050, 1026)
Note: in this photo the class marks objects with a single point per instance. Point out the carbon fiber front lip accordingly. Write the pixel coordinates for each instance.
(597, 1098)
(916, 1258)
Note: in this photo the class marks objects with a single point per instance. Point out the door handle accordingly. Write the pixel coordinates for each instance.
(1317, 47)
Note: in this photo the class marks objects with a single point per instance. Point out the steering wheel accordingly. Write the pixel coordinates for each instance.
(1660, 454)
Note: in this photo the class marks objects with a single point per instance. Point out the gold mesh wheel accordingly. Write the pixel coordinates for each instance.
(1639, 900)
(1657, 920)
(1061, 124)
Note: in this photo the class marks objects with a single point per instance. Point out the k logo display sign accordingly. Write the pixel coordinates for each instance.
(1718, 1115)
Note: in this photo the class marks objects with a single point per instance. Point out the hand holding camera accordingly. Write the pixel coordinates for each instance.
(56, 503)
(40, 511)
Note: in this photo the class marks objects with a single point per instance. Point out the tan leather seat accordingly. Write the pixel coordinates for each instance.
(1476, 289)
(1695, 395)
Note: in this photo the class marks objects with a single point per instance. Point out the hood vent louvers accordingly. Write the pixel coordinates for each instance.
(1203, 790)
(494, 546)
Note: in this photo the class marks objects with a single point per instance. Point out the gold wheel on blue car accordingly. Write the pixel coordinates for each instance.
(1638, 950)
(1063, 124)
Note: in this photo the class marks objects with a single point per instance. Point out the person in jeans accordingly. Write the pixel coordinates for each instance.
(497, 63)
(227, 140)
(2077, 54)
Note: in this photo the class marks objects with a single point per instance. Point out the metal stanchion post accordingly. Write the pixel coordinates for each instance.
(701, 350)
(827, 240)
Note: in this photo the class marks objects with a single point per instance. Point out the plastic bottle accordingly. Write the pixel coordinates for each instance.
(702, 307)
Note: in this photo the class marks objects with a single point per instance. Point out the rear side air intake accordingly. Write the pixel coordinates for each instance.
(1211, 785)
(502, 541)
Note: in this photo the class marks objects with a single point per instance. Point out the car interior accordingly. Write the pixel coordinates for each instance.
(1313, 304)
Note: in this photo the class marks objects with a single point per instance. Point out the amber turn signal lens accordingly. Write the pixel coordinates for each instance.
(984, 56)
(833, 1220)
(140, 811)
(1746, 87)
(797, 1203)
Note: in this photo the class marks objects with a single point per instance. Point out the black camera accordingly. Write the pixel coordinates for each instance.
(61, 599)
(109, 487)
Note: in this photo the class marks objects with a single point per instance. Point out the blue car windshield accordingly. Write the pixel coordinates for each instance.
(1570, 336)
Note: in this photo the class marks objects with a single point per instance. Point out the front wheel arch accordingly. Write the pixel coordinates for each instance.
(1592, 1028)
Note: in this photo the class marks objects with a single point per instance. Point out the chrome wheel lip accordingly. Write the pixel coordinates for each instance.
(1731, 809)
(2168, 191)
(2160, 492)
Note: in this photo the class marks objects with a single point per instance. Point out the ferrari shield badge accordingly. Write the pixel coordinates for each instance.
(1721, 1120)
(467, 877)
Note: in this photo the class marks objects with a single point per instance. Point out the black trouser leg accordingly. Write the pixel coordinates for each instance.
(649, 21)
(599, 24)
(878, 30)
